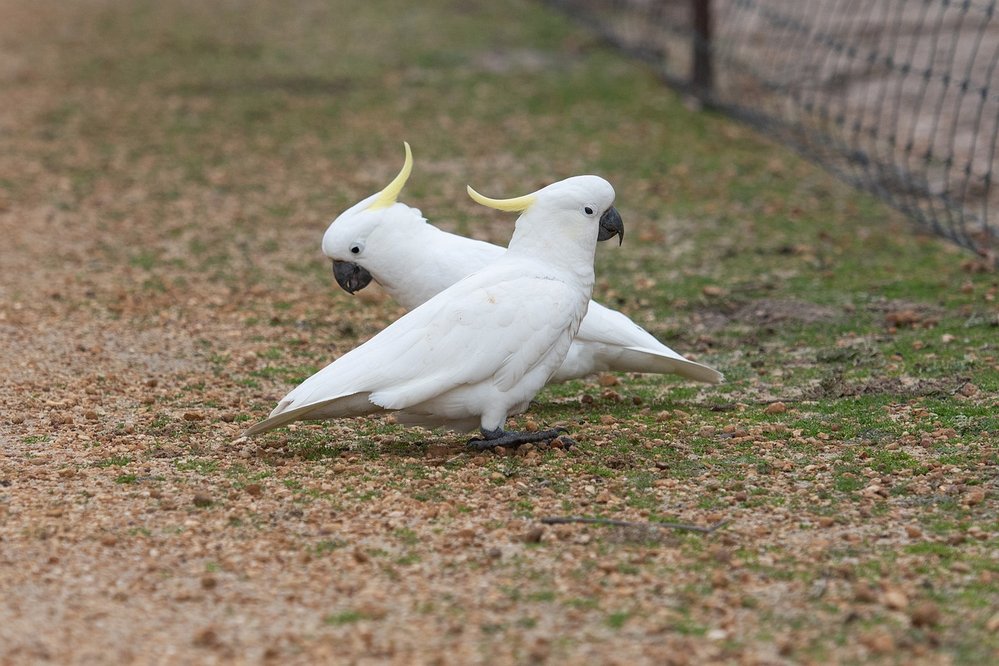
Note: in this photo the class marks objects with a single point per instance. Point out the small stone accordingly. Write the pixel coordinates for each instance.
(864, 593)
(974, 496)
(90, 415)
(896, 599)
(826, 521)
(719, 580)
(913, 532)
(202, 499)
(925, 614)
(209, 582)
(253, 489)
(880, 642)
(775, 408)
(109, 540)
(611, 396)
(534, 534)
(992, 624)
(968, 390)
(902, 318)
(193, 416)
(712, 290)
(608, 379)
(206, 638)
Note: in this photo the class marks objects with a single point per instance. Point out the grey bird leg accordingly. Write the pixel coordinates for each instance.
(492, 438)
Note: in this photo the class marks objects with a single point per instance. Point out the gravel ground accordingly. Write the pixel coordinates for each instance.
(155, 200)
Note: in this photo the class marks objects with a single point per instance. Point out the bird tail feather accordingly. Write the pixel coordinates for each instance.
(637, 359)
(355, 404)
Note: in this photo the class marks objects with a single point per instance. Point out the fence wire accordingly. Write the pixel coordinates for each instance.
(896, 96)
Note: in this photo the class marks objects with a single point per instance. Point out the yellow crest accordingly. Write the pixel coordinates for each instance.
(515, 205)
(391, 192)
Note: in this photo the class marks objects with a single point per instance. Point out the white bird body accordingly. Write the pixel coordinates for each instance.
(480, 349)
(414, 260)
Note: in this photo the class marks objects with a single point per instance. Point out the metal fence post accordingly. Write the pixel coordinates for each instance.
(702, 75)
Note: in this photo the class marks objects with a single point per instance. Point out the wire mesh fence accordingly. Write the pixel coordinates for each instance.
(895, 96)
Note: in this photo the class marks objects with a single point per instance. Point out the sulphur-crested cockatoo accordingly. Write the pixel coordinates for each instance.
(481, 349)
(413, 260)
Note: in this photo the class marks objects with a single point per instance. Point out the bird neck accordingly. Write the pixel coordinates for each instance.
(416, 255)
(572, 252)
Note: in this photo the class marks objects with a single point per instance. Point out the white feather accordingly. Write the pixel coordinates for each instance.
(414, 260)
(482, 348)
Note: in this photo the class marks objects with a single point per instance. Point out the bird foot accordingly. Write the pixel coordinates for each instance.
(492, 438)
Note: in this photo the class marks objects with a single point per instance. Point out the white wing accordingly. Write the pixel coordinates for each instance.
(609, 340)
(494, 326)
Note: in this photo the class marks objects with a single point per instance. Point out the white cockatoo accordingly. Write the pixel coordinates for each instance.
(392, 244)
(481, 349)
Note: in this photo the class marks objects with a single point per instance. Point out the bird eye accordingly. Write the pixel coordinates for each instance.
(356, 248)
(588, 210)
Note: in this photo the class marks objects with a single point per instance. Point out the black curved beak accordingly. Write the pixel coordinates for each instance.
(350, 276)
(611, 225)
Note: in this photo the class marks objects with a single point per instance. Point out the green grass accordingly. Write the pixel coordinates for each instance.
(248, 127)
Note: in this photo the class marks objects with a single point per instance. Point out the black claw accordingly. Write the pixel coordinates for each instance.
(492, 438)
(567, 442)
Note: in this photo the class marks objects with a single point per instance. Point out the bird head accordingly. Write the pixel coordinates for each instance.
(581, 205)
(345, 239)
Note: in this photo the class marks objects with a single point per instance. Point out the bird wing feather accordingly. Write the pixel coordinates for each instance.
(503, 320)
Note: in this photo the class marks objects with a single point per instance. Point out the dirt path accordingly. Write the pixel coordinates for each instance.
(166, 170)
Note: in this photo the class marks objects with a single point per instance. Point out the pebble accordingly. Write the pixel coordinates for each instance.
(896, 599)
(864, 593)
(206, 638)
(880, 642)
(992, 624)
(712, 290)
(925, 614)
(607, 379)
(775, 408)
(202, 499)
(534, 534)
(968, 390)
(253, 489)
(193, 416)
(974, 496)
